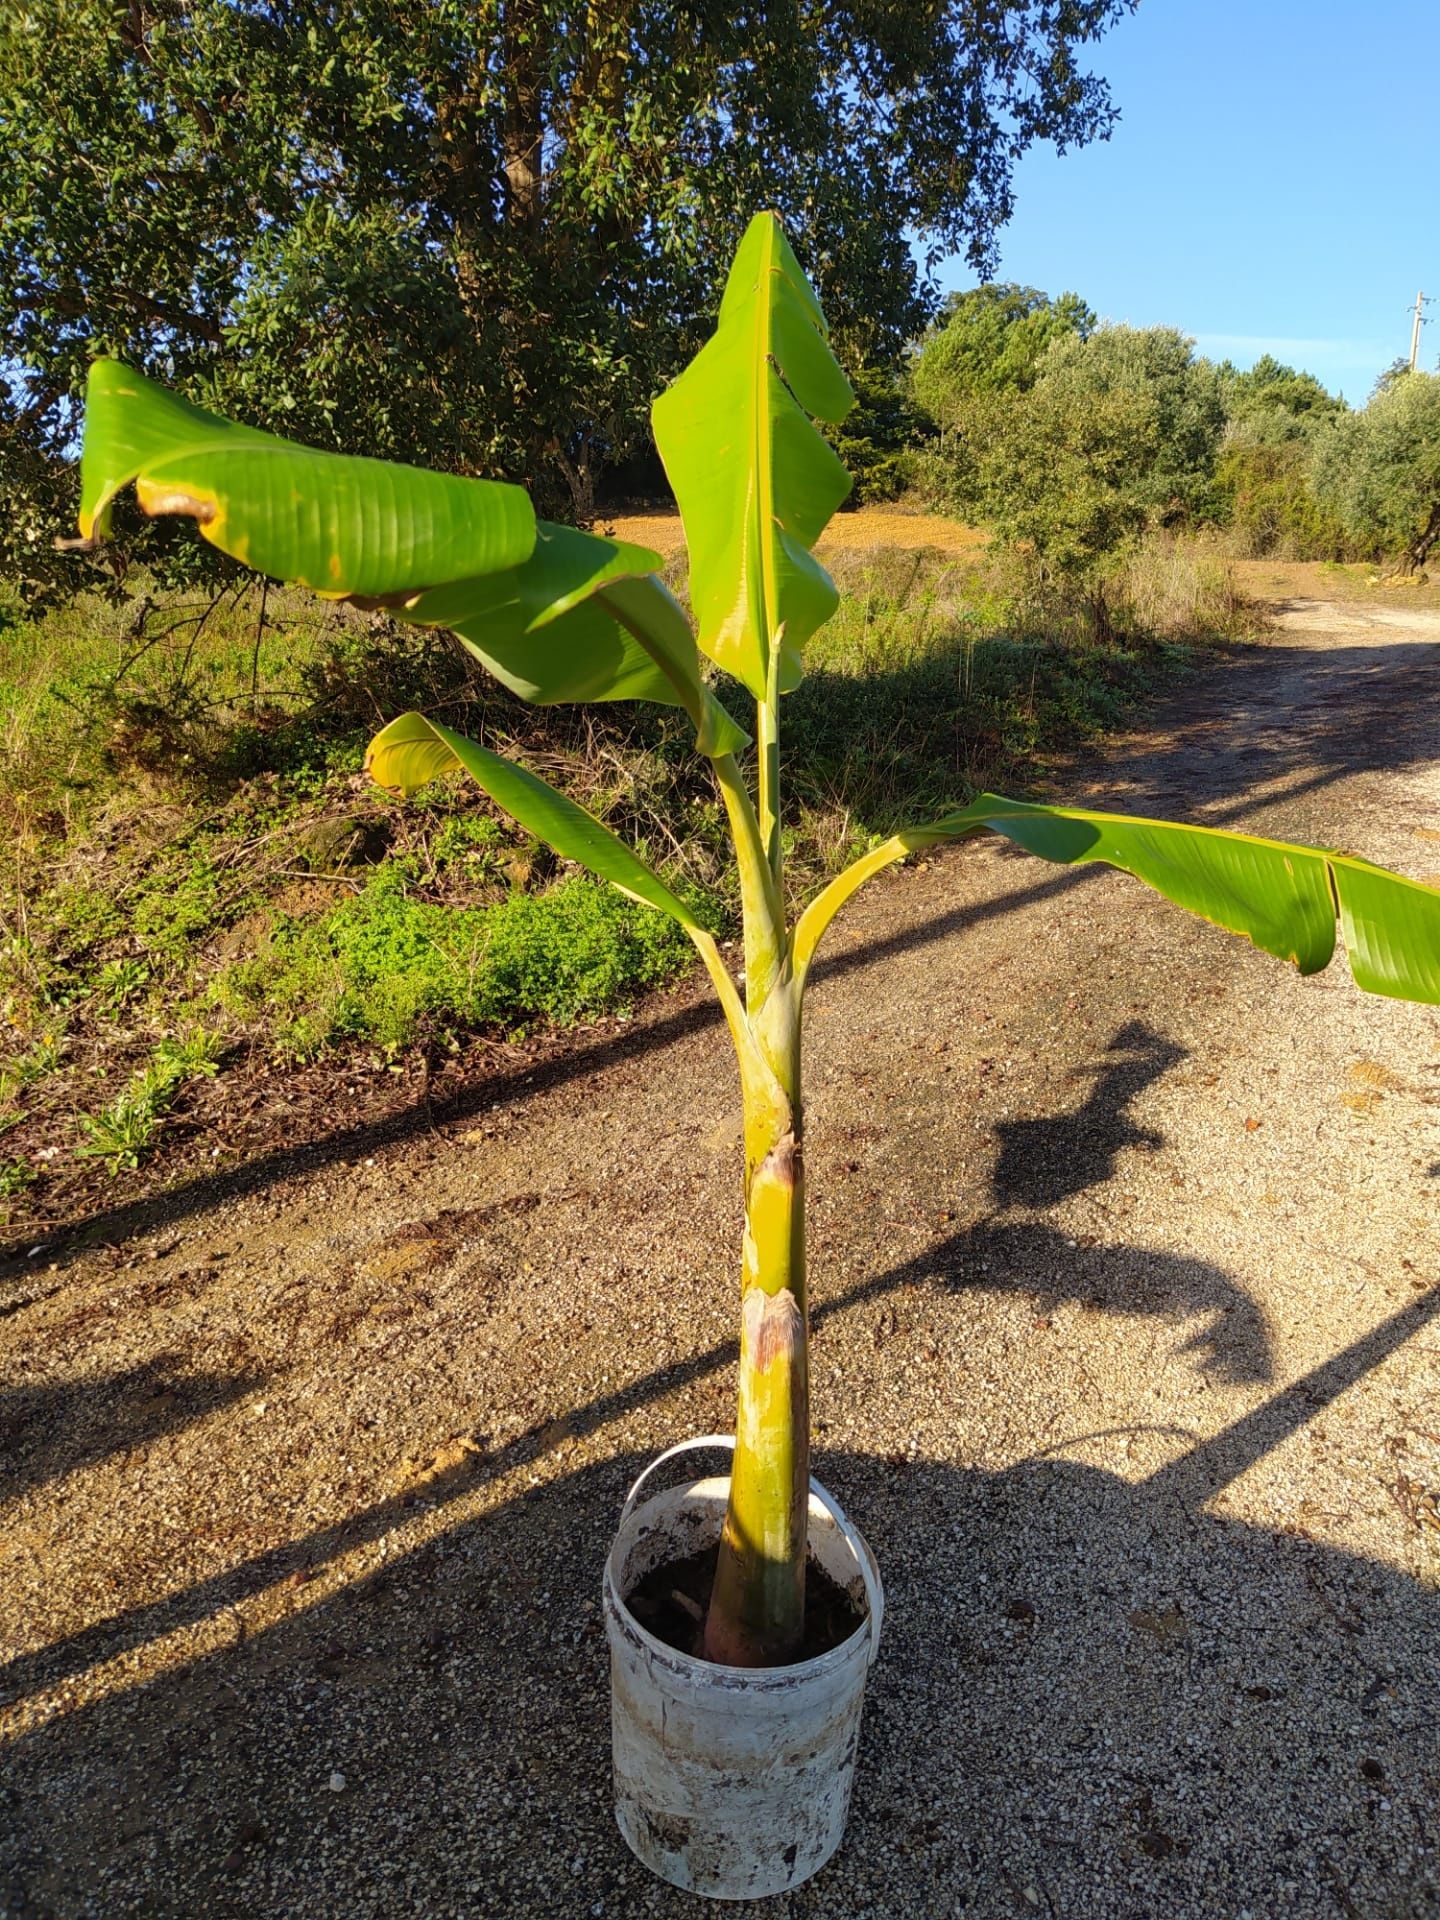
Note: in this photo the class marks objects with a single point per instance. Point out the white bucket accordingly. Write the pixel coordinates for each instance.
(732, 1781)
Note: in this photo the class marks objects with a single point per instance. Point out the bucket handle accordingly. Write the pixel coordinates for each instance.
(874, 1597)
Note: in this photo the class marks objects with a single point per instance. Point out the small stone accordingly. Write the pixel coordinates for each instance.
(336, 1783)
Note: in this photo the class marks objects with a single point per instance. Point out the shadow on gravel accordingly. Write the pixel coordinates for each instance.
(1231, 1341)
(1024, 1257)
(47, 1432)
(1090, 1687)
(1042, 1162)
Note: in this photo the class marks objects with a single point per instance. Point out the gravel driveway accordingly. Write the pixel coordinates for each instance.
(1127, 1306)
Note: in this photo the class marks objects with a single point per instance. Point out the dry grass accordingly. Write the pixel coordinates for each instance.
(1178, 589)
(859, 532)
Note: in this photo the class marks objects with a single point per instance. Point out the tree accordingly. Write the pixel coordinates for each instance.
(1263, 483)
(475, 226)
(1272, 387)
(879, 438)
(990, 340)
(1379, 470)
(1116, 431)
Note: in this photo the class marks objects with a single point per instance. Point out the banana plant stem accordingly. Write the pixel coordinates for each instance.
(763, 912)
(768, 747)
(757, 1607)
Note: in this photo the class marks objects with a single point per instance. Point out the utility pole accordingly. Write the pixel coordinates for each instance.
(1420, 305)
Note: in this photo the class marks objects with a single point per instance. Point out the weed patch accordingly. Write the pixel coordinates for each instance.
(389, 965)
(122, 1132)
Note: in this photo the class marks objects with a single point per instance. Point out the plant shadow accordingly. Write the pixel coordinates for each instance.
(1042, 1162)
(1088, 1689)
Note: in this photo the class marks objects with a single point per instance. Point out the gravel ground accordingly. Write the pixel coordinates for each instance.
(1126, 1300)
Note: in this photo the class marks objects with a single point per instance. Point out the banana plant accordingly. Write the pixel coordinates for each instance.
(559, 615)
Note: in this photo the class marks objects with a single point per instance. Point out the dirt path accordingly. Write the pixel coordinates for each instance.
(1127, 1303)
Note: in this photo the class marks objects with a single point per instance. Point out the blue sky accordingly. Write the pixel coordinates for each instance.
(1271, 185)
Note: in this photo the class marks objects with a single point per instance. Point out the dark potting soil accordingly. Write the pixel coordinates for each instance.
(671, 1603)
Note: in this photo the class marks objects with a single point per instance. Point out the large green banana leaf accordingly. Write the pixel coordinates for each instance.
(755, 481)
(336, 523)
(583, 618)
(412, 751)
(555, 614)
(1284, 898)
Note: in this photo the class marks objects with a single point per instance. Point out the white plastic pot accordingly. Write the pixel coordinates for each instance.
(732, 1781)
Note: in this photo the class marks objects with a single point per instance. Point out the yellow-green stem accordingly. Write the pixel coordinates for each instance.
(764, 915)
(757, 1609)
(767, 744)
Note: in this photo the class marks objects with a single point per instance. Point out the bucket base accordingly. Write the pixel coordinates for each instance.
(732, 1782)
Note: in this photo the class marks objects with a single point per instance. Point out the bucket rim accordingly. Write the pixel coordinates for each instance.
(745, 1679)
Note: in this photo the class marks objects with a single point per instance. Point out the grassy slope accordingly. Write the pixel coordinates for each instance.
(202, 881)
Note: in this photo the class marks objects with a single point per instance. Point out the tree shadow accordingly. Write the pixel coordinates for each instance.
(47, 1432)
(1026, 1257)
(1094, 1698)
(1043, 1162)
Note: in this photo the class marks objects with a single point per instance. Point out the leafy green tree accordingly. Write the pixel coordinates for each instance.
(1263, 472)
(1270, 387)
(33, 487)
(486, 228)
(990, 340)
(1378, 470)
(1176, 403)
(1117, 431)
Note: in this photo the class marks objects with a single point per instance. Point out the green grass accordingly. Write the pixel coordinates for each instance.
(388, 963)
(191, 839)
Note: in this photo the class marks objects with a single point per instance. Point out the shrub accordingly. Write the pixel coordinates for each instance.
(1117, 433)
(1378, 470)
(878, 436)
(1264, 486)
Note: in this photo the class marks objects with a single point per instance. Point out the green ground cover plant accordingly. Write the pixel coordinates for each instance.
(186, 826)
(561, 618)
(122, 1131)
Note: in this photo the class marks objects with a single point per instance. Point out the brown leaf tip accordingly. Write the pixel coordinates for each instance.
(163, 500)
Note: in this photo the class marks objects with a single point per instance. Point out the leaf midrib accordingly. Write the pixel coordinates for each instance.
(762, 438)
